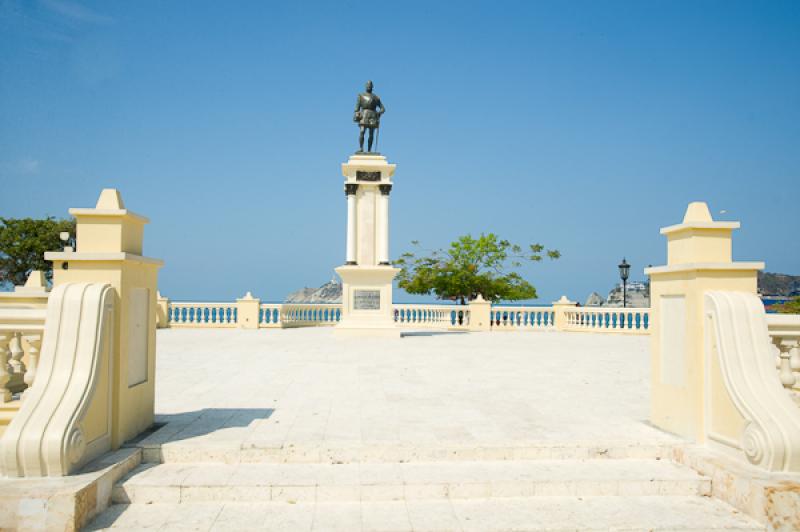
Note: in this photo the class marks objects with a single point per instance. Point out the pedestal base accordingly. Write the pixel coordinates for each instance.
(367, 300)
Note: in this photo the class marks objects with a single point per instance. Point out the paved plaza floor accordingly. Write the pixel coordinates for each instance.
(299, 429)
(300, 390)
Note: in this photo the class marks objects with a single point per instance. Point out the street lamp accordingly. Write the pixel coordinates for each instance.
(624, 269)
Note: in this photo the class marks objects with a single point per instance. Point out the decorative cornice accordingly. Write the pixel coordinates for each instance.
(385, 189)
(350, 189)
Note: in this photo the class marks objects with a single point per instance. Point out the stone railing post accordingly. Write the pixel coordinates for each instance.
(683, 382)
(162, 310)
(5, 376)
(560, 309)
(34, 342)
(480, 314)
(785, 347)
(16, 366)
(247, 309)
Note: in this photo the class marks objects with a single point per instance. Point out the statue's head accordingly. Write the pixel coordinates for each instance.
(369, 86)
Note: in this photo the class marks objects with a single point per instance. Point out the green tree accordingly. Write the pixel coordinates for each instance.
(470, 266)
(790, 307)
(23, 242)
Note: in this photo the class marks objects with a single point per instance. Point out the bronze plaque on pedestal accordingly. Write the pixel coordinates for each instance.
(366, 299)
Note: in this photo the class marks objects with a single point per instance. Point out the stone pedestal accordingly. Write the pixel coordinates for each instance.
(367, 273)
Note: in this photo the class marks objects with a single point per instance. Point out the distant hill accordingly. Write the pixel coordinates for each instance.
(330, 292)
(778, 284)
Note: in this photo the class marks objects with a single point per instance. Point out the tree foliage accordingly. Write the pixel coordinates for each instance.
(470, 266)
(23, 242)
(790, 307)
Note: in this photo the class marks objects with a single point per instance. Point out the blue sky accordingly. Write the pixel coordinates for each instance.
(585, 126)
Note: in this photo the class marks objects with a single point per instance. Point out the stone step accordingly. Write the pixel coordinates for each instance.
(676, 513)
(255, 452)
(180, 483)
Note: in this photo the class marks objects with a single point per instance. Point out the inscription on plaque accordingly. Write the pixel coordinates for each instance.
(367, 176)
(366, 299)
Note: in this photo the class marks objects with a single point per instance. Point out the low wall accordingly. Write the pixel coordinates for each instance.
(180, 314)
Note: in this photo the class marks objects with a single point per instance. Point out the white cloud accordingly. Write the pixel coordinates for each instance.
(76, 12)
(28, 166)
(24, 166)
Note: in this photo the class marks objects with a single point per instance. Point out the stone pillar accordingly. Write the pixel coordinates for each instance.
(350, 191)
(247, 309)
(699, 259)
(383, 225)
(560, 309)
(109, 250)
(162, 311)
(480, 314)
(367, 276)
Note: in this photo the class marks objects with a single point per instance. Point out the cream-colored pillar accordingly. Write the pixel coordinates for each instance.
(699, 259)
(162, 311)
(367, 275)
(480, 314)
(247, 309)
(109, 250)
(383, 224)
(560, 309)
(350, 190)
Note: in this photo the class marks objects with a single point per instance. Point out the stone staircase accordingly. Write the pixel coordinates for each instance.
(579, 489)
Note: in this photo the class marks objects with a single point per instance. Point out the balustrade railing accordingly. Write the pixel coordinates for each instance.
(609, 320)
(435, 316)
(310, 314)
(207, 315)
(521, 318)
(269, 315)
(784, 330)
(501, 317)
(21, 331)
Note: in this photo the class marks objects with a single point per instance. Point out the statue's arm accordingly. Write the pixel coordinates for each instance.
(383, 107)
(358, 103)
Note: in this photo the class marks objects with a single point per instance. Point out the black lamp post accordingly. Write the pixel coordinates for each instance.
(624, 268)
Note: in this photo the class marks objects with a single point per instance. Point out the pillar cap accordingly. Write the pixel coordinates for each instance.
(109, 204)
(36, 282)
(96, 256)
(705, 266)
(247, 297)
(564, 301)
(698, 216)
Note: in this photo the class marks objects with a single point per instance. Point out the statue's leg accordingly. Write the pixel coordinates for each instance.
(369, 142)
(361, 138)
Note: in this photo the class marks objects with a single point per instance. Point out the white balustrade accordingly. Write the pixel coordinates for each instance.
(19, 328)
(310, 314)
(608, 320)
(784, 331)
(206, 315)
(269, 315)
(504, 317)
(431, 315)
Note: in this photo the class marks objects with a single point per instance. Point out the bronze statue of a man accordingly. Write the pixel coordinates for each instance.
(369, 109)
